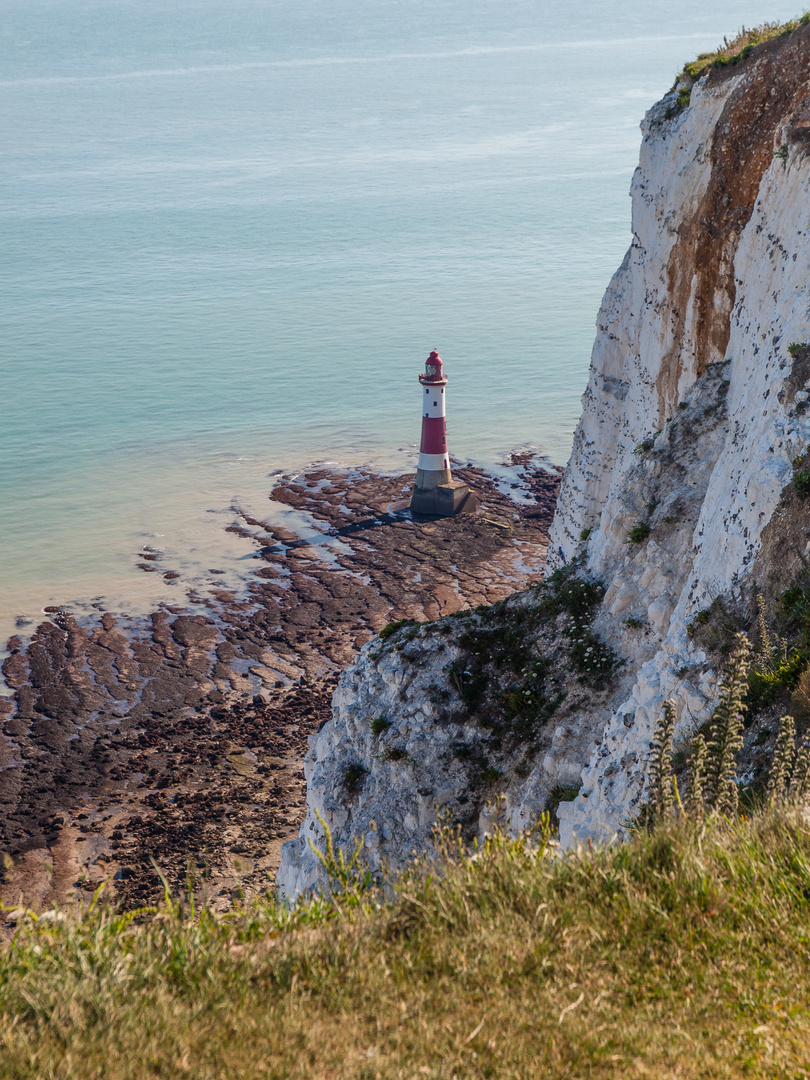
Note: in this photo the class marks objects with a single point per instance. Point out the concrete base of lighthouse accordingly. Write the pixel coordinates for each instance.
(442, 500)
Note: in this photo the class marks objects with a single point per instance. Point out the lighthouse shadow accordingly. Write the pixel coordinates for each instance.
(393, 514)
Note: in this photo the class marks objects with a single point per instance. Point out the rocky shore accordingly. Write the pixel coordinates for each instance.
(176, 741)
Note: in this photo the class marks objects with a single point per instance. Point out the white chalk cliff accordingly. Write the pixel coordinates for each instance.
(692, 421)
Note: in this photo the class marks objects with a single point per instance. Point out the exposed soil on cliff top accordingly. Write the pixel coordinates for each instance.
(180, 738)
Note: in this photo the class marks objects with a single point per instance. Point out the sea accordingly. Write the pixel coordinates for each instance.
(230, 233)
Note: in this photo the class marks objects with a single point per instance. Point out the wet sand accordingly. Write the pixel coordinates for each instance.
(178, 739)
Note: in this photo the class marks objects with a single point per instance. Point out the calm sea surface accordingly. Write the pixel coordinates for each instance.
(231, 233)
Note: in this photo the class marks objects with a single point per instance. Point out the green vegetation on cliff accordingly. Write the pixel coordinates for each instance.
(683, 953)
(729, 54)
(738, 48)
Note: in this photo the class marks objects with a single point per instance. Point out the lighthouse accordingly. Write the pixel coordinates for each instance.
(436, 493)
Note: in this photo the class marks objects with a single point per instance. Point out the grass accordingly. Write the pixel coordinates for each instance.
(561, 793)
(715, 627)
(497, 667)
(391, 628)
(684, 97)
(682, 954)
(508, 677)
(638, 533)
(591, 656)
(396, 753)
(578, 598)
(353, 776)
(733, 50)
(774, 676)
(770, 683)
(644, 447)
(703, 617)
(564, 593)
(776, 671)
(794, 606)
(379, 725)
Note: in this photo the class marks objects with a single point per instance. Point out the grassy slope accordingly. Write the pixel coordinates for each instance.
(683, 954)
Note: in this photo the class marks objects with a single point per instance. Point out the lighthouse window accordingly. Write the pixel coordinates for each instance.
(426, 390)
(435, 403)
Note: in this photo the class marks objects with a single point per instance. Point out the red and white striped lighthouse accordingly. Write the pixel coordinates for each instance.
(436, 493)
(434, 461)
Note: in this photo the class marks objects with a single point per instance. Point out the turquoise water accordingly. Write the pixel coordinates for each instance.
(231, 233)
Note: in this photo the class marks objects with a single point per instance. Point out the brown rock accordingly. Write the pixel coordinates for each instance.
(194, 630)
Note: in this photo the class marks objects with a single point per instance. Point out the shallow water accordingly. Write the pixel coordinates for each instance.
(231, 234)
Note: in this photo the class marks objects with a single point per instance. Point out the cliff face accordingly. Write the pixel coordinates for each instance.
(444, 718)
(692, 421)
(713, 290)
(716, 269)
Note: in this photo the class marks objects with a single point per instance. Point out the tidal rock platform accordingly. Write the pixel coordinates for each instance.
(179, 737)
